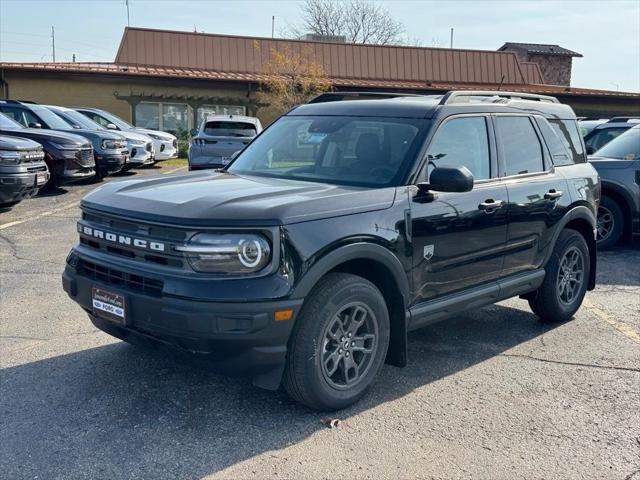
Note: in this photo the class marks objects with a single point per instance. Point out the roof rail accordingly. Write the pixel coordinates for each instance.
(6, 100)
(338, 96)
(623, 119)
(494, 96)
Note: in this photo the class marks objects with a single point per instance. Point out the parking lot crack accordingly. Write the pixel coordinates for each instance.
(573, 364)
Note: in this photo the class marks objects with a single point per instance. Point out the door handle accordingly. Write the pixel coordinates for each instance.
(553, 194)
(490, 205)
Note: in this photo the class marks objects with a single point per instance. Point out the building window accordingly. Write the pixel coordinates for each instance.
(168, 117)
(207, 110)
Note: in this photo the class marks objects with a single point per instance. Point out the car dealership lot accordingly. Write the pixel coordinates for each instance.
(489, 394)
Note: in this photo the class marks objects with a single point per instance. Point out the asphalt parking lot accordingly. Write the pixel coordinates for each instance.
(492, 394)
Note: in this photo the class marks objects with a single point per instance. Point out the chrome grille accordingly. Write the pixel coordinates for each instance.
(85, 156)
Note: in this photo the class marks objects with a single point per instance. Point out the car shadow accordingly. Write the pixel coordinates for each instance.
(52, 191)
(619, 265)
(123, 411)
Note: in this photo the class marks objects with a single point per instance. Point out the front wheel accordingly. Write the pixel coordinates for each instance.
(338, 344)
(610, 224)
(565, 282)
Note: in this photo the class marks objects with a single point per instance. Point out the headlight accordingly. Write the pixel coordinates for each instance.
(138, 143)
(154, 136)
(110, 144)
(227, 253)
(8, 157)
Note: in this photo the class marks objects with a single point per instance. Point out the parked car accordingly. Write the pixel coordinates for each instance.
(341, 227)
(69, 157)
(605, 131)
(22, 170)
(107, 147)
(618, 164)
(165, 145)
(139, 146)
(219, 138)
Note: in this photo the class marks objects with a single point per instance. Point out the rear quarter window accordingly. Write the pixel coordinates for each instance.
(560, 154)
(568, 132)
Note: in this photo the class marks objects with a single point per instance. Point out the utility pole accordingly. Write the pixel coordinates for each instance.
(126, 2)
(273, 25)
(451, 40)
(53, 44)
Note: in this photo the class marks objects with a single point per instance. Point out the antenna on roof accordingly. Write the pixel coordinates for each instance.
(451, 40)
(501, 82)
(126, 2)
(273, 25)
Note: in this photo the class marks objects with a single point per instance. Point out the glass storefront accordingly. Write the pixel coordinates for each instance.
(176, 118)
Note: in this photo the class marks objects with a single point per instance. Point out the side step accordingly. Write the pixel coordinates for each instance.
(432, 311)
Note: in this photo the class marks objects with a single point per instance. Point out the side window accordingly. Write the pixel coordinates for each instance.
(520, 144)
(15, 114)
(462, 142)
(569, 133)
(97, 118)
(559, 153)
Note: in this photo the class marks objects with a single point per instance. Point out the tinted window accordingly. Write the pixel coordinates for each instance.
(20, 115)
(603, 136)
(462, 142)
(569, 133)
(559, 153)
(625, 147)
(521, 147)
(7, 123)
(230, 129)
(374, 152)
(50, 119)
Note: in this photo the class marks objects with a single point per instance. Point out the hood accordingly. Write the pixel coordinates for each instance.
(164, 135)
(605, 163)
(18, 144)
(224, 199)
(44, 135)
(133, 135)
(93, 135)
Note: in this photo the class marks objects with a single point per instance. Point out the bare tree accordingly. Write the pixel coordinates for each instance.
(359, 21)
(290, 79)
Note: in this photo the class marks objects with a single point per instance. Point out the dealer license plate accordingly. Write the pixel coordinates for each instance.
(41, 178)
(109, 305)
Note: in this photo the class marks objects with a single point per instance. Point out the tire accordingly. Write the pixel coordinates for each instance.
(563, 289)
(324, 338)
(610, 223)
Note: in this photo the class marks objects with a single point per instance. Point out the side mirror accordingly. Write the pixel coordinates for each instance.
(35, 125)
(591, 150)
(111, 126)
(448, 179)
(193, 132)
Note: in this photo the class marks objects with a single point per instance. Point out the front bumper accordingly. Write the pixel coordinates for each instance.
(107, 164)
(165, 150)
(240, 337)
(16, 187)
(139, 156)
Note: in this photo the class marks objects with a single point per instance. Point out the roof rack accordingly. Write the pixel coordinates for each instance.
(493, 96)
(623, 119)
(338, 96)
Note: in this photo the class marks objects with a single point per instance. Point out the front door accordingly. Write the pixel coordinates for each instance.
(458, 238)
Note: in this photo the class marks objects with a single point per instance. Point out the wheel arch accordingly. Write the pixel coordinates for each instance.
(382, 268)
(619, 195)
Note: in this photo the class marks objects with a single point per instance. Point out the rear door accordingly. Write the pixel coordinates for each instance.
(538, 196)
(458, 238)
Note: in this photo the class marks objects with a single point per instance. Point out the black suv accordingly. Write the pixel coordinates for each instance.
(342, 226)
(69, 157)
(22, 170)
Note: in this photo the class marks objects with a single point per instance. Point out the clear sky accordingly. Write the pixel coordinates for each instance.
(606, 32)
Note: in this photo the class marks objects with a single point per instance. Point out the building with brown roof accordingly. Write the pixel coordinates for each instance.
(171, 80)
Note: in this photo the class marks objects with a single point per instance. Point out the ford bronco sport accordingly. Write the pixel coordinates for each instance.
(345, 224)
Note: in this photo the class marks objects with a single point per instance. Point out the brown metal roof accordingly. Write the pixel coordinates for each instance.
(212, 75)
(227, 53)
(532, 72)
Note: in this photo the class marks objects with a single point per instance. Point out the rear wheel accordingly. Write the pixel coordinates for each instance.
(610, 224)
(565, 282)
(338, 344)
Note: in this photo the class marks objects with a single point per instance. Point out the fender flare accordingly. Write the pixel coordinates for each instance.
(579, 212)
(354, 251)
(619, 189)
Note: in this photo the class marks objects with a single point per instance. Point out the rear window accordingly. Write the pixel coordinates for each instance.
(230, 129)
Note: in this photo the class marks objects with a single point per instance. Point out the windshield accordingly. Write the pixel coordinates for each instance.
(359, 151)
(117, 121)
(230, 129)
(77, 120)
(625, 147)
(51, 119)
(7, 123)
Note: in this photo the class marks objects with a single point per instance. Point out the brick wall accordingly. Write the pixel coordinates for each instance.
(556, 69)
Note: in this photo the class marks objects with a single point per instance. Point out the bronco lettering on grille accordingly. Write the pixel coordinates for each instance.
(121, 239)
